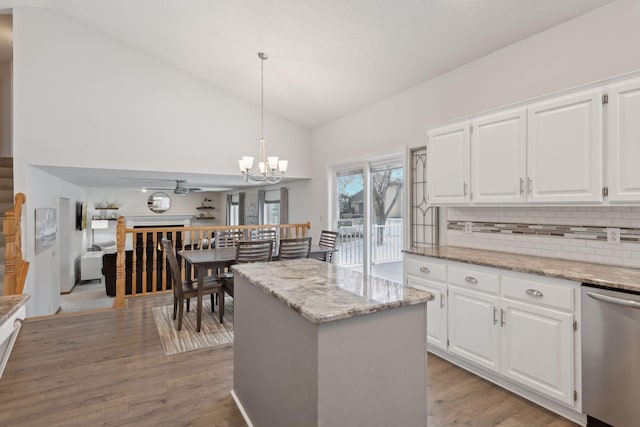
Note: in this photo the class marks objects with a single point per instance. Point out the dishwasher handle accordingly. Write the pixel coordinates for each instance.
(613, 300)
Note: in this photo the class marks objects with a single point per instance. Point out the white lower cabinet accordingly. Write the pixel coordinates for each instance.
(436, 311)
(537, 349)
(519, 327)
(474, 332)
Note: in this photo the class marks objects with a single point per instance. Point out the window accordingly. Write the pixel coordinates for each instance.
(272, 208)
(233, 209)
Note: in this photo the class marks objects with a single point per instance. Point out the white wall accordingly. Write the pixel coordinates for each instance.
(43, 281)
(6, 128)
(85, 99)
(597, 45)
(134, 203)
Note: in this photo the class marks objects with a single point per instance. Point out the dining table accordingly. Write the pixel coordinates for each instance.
(219, 258)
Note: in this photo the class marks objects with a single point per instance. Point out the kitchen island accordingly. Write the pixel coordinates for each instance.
(318, 344)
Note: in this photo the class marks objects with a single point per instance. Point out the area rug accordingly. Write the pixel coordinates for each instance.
(212, 333)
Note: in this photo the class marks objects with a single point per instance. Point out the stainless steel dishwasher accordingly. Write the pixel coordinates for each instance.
(611, 356)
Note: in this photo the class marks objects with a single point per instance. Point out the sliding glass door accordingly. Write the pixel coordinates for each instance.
(369, 217)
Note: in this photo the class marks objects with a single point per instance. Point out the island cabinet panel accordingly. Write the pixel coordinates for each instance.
(372, 370)
(448, 165)
(537, 349)
(623, 130)
(564, 149)
(474, 332)
(437, 312)
(498, 158)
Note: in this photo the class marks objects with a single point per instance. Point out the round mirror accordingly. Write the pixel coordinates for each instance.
(159, 202)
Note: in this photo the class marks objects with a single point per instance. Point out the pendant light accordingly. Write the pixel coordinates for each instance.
(269, 170)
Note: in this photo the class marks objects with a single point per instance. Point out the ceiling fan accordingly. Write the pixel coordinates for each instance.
(181, 188)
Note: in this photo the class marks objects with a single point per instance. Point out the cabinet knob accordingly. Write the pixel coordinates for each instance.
(521, 185)
(424, 270)
(529, 185)
(534, 293)
(464, 189)
(471, 279)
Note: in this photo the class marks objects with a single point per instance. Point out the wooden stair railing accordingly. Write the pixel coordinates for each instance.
(16, 268)
(147, 255)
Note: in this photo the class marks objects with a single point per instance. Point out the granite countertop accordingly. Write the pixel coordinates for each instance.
(323, 292)
(596, 274)
(10, 304)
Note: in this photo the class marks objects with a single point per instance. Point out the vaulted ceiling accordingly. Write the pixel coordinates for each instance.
(327, 57)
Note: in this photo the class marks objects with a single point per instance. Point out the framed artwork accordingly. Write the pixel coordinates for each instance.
(45, 229)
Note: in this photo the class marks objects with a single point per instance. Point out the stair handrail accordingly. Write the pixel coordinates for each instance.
(16, 268)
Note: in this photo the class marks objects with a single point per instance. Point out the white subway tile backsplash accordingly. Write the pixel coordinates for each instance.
(567, 246)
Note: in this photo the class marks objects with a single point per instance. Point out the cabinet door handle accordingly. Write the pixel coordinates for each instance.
(502, 322)
(464, 189)
(521, 185)
(424, 270)
(441, 300)
(529, 185)
(534, 293)
(495, 318)
(471, 279)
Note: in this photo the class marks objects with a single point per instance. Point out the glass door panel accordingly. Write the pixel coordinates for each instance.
(350, 218)
(386, 219)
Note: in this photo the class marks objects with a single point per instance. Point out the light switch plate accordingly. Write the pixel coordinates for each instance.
(467, 227)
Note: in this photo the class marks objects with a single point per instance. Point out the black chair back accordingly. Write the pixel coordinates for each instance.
(295, 248)
(263, 234)
(254, 251)
(167, 246)
(328, 239)
(228, 239)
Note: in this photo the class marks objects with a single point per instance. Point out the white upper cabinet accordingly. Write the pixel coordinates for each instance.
(448, 165)
(564, 149)
(623, 140)
(498, 158)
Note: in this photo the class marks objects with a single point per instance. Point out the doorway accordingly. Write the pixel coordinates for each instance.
(64, 249)
(368, 215)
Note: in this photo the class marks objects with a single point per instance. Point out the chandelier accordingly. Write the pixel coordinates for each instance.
(268, 169)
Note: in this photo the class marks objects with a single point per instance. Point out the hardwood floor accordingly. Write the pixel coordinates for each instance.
(108, 368)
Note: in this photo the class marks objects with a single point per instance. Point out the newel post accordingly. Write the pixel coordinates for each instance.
(120, 267)
(9, 281)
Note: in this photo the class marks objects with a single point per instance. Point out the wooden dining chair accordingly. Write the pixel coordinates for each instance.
(328, 239)
(264, 234)
(185, 290)
(228, 239)
(294, 248)
(248, 251)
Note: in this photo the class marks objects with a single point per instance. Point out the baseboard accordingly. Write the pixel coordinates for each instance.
(545, 402)
(241, 408)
